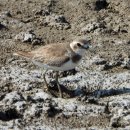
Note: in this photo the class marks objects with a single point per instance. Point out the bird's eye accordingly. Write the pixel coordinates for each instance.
(78, 44)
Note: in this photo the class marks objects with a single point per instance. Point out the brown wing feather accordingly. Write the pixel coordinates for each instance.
(24, 54)
(52, 54)
(51, 50)
(59, 61)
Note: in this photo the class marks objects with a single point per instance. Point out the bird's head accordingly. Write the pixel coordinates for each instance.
(80, 46)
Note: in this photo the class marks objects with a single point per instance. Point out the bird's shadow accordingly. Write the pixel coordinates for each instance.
(110, 92)
(67, 93)
(100, 93)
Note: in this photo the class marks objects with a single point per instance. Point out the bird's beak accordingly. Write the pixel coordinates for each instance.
(90, 46)
(87, 47)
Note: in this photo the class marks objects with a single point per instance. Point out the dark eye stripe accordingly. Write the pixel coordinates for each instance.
(79, 45)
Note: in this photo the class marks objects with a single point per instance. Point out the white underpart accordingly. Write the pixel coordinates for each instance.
(81, 52)
(66, 66)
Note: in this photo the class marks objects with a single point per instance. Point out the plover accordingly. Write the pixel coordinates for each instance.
(57, 57)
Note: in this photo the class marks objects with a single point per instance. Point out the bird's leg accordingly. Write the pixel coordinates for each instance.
(44, 77)
(57, 82)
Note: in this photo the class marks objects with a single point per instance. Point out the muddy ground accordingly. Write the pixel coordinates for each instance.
(96, 93)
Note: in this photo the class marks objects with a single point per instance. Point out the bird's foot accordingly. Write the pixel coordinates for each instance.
(46, 88)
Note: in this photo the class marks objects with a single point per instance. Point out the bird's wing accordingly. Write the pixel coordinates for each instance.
(52, 55)
(50, 50)
(56, 61)
(27, 55)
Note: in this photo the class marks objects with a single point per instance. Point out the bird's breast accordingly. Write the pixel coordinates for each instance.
(76, 58)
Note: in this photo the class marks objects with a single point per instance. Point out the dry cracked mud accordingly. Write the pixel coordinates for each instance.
(96, 93)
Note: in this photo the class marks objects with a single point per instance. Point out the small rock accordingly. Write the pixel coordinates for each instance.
(5, 14)
(116, 29)
(36, 41)
(43, 12)
(25, 36)
(12, 97)
(126, 63)
(28, 37)
(92, 26)
(20, 106)
(41, 96)
(57, 21)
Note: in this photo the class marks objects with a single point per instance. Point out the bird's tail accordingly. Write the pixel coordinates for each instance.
(23, 54)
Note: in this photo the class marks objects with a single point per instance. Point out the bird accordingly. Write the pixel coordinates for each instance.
(57, 57)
